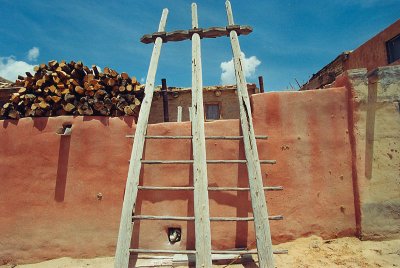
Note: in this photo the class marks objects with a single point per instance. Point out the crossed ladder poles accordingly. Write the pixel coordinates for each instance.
(202, 217)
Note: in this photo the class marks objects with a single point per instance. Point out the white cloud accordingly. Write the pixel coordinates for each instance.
(33, 54)
(228, 69)
(142, 80)
(11, 68)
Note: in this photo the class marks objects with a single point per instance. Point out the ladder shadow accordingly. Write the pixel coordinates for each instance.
(190, 228)
(242, 229)
(133, 258)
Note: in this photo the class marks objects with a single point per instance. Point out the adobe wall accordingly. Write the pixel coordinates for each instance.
(49, 203)
(372, 53)
(376, 120)
(228, 103)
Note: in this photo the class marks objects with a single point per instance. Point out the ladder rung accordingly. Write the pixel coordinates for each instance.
(178, 188)
(179, 218)
(152, 162)
(268, 188)
(239, 161)
(161, 251)
(271, 218)
(173, 188)
(152, 217)
(183, 251)
(247, 251)
(261, 137)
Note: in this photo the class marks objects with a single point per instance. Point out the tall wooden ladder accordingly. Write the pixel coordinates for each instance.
(202, 217)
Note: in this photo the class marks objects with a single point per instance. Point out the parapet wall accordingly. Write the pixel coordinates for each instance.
(62, 195)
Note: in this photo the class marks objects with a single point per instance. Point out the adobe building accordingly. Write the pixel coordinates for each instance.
(6, 88)
(381, 50)
(220, 102)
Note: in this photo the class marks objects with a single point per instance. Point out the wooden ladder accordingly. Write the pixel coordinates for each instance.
(202, 217)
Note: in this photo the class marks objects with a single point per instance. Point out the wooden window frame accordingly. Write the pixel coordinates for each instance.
(212, 103)
(389, 51)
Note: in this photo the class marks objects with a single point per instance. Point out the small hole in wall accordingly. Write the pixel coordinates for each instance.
(174, 234)
(65, 130)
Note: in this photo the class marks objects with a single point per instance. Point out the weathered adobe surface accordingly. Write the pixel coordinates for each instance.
(376, 151)
(224, 96)
(50, 184)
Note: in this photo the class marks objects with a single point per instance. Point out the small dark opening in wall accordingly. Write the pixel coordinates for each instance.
(212, 111)
(66, 129)
(174, 234)
(393, 49)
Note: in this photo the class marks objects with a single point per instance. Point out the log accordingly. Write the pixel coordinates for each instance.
(95, 71)
(124, 76)
(79, 90)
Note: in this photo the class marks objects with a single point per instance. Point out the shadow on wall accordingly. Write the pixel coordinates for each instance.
(40, 124)
(370, 127)
(242, 230)
(62, 168)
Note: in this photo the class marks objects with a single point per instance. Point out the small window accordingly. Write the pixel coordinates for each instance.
(393, 49)
(212, 111)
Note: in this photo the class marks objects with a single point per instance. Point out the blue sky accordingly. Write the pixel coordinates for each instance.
(291, 39)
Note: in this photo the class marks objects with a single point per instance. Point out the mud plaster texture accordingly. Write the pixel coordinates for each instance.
(376, 119)
(62, 195)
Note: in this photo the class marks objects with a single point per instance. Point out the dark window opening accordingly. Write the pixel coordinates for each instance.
(65, 130)
(174, 234)
(393, 49)
(212, 112)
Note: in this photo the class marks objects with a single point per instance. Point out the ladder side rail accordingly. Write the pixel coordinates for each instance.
(201, 201)
(131, 188)
(261, 224)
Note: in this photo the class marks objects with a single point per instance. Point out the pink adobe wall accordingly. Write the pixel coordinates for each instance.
(310, 139)
(48, 202)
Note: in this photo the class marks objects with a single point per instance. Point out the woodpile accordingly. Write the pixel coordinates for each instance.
(60, 88)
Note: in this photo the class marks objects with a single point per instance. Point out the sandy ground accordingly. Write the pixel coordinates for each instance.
(304, 252)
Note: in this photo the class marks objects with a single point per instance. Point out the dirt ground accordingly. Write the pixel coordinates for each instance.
(305, 252)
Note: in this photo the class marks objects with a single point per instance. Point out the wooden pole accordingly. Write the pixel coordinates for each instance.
(201, 203)
(261, 224)
(190, 114)
(179, 115)
(261, 83)
(165, 99)
(183, 251)
(132, 182)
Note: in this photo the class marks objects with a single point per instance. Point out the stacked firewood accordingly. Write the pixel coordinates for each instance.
(60, 88)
